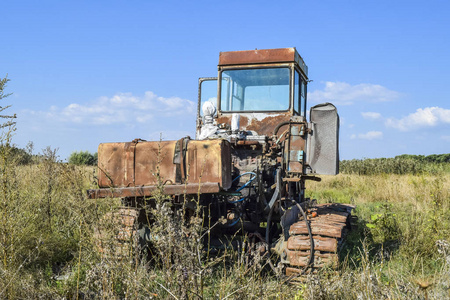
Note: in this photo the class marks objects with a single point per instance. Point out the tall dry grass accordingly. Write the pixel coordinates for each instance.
(48, 246)
(400, 248)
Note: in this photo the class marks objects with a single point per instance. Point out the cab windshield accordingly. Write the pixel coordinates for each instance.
(255, 90)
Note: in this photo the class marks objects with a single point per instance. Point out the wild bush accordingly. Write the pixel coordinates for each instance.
(43, 207)
(20, 156)
(83, 158)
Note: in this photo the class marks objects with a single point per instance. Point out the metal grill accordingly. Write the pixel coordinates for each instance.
(322, 143)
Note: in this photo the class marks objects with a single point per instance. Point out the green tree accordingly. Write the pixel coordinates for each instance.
(83, 158)
(18, 155)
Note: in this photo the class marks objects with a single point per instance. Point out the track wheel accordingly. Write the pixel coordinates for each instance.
(116, 235)
(329, 224)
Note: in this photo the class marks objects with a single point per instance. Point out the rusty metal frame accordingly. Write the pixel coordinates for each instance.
(263, 56)
(148, 191)
(198, 120)
(281, 58)
(200, 81)
(271, 118)
(304, 79)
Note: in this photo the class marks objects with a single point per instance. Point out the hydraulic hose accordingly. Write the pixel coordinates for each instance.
(277, 191)
(275, 131)
(240, 200)
(248, 182)
(269, 220)
(311, 239)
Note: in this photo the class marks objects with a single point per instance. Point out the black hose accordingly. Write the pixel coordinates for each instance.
(285, 123)
(308, 226)
(275, 197)
(269, 219)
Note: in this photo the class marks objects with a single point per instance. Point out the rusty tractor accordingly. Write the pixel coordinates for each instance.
(254, 149)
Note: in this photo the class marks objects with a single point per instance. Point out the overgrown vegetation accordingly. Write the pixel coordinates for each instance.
(402, 164)
(83, 158)
(48, 245)
(19, 155)
(400, 248)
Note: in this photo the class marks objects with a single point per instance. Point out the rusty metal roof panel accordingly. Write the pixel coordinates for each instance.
(263, 56)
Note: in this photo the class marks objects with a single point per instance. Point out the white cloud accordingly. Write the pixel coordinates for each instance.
(342, 93)
(371, 135)
(371, 115)
(422, 118)
(121, 108)
(121, 117)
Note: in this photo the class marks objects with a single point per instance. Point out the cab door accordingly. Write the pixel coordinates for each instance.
(207, 91)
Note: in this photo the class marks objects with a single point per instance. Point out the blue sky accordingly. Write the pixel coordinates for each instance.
(86, 72)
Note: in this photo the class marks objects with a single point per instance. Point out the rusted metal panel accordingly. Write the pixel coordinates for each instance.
(115, 237)
(301, 259)
(148, 191)
(247, 143)
(257, 56)
(333, 216)
(301, 242)
(295, 149)
(127, 165)
(293, 271)
(318, 229)
(262, 123)
(327, 224)
(262, 56)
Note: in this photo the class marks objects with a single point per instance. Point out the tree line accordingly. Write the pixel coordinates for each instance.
(400, 164)
(433, 158)
(25, 156)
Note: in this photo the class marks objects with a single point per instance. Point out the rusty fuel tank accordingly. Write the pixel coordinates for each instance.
(182, 163)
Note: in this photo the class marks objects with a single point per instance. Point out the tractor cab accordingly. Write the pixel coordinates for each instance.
(259, 99)
(259, 88)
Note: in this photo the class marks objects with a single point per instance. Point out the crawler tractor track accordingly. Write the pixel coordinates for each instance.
(329, 224)
(116, 235)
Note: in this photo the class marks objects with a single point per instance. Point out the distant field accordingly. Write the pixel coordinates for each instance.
(400, 247)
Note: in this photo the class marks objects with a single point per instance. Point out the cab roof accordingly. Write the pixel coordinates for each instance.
(264, 56)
